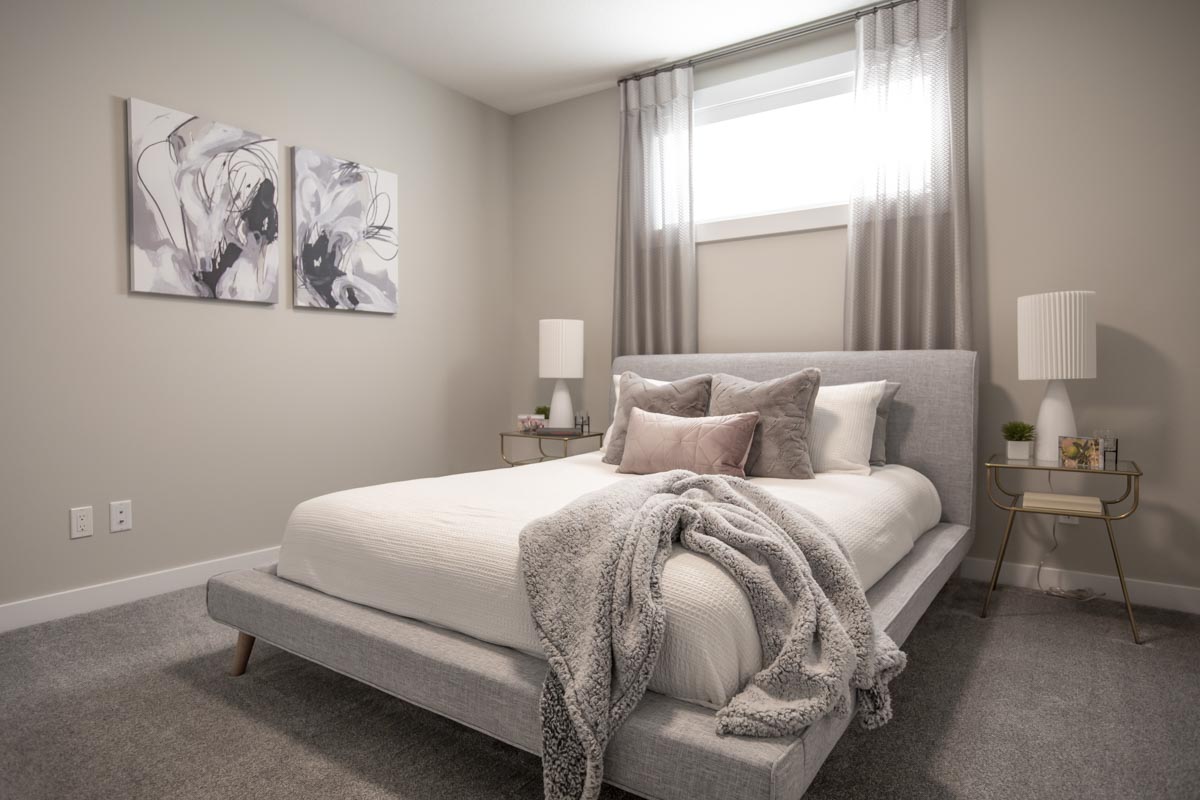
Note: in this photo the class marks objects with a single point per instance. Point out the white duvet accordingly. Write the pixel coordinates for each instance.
(445, 551)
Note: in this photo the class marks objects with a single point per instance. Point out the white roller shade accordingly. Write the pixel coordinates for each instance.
(1056, 336)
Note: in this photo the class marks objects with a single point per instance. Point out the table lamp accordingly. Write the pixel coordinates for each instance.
(1056, 341)
(560, 355)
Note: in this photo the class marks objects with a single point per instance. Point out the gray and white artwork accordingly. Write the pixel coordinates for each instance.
(345, 247)
(204, 220)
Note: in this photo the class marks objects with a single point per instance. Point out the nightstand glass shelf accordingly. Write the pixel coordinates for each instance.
(1122, 467)
(1107, 510)
(564, 439)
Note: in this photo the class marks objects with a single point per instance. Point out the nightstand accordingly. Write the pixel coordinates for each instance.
(565, 441)
(1082, 506)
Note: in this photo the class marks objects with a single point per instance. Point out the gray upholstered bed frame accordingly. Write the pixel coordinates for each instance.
(668, 748)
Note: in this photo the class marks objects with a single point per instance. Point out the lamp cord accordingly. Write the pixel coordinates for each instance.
(1084, 594)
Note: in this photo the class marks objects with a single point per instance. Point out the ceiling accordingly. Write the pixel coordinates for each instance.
(516, 55)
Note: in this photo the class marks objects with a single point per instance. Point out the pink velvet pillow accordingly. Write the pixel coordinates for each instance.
(707, 445)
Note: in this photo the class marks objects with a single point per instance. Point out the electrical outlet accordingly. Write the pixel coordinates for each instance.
(1068, 520)
(81, 522)
(120, 516)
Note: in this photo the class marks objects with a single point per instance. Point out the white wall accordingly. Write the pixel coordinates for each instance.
(1084, 119)
(216, 418)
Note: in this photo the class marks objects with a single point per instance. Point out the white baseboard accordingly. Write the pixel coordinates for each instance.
(20, 613)
(1147, 593)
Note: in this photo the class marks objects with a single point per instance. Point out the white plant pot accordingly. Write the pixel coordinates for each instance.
(1020, 451)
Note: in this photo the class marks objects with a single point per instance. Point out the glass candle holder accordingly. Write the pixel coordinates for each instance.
(1108, 447)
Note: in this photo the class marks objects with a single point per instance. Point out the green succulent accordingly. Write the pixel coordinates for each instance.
(543, 410)
(1017, 431)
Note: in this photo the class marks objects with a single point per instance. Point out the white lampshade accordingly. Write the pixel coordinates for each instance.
(1056, 336)
(560, 348)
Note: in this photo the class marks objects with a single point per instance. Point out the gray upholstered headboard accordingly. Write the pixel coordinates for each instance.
(932, 423)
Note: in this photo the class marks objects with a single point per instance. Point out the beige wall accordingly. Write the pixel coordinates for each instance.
(1084, 120)
(564, 207)
(216, 418)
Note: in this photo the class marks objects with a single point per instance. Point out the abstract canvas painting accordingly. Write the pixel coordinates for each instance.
(204, 220)
(346, 245)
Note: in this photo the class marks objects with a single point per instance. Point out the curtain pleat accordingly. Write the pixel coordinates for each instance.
(654, 287)
(907, 276)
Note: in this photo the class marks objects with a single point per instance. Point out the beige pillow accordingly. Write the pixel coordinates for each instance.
(706, 445)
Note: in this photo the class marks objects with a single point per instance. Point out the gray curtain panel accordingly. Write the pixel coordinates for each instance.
(654, 290)
(907, 277)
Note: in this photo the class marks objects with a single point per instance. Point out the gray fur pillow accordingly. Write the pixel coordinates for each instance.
(879, 438)
(683, 398)
(785, 409)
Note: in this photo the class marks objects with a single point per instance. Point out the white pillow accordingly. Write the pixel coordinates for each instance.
(843, 427)
(617, 402)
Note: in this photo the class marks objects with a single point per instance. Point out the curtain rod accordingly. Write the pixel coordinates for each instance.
(784, 35)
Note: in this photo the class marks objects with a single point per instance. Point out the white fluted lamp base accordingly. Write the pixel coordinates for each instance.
(562, 413)
(1055, 418)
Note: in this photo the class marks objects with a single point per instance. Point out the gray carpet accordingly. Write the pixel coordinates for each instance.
(1047, 698)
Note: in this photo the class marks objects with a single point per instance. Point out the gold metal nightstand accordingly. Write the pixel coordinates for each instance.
(541, 440)
(1017, 504)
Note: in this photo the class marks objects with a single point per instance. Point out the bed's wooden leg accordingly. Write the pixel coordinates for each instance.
(241, 653)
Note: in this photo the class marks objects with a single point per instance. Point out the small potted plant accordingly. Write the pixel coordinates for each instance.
(1019, 436)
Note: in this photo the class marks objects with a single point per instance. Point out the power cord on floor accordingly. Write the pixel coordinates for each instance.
(1082, 595)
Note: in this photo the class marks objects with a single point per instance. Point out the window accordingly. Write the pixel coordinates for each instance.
(772, 152)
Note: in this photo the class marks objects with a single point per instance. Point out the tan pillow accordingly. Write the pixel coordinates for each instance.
(706, 445)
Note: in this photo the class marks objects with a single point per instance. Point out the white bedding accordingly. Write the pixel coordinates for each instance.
(445, 551)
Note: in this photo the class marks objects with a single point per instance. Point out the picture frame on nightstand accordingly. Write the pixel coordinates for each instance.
(1079, 452)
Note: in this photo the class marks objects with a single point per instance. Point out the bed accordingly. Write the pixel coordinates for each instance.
(454, 638)
(445, 551)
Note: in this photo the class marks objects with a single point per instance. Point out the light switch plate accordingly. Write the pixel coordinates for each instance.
(81, 522)
(120, 516)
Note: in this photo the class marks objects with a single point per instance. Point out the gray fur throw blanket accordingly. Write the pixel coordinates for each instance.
(592, 573)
